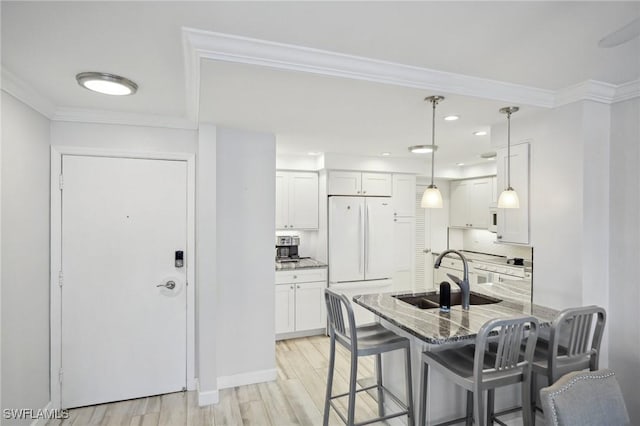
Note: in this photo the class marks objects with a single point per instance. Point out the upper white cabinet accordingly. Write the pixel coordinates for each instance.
(359, 183)
(470, 200)
(404, 195)
(404, 253)
(296, 200)
(513, 224)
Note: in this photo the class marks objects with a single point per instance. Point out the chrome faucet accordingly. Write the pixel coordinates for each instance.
(464, 284)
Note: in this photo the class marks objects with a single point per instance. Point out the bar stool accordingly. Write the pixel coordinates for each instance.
(573, 345)
(362, 341)
(495, 360)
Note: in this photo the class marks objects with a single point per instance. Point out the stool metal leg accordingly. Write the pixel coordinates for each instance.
(332, 360)
(491, 393)
(469, 420)
(407, 363)
(352, 390)
(478, 406)
(379, 380)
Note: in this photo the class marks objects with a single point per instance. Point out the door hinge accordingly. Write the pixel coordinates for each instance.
(60, 278)
(61, 182)
(60, 374)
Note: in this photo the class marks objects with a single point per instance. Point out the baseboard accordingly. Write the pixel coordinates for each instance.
(297, 334)
(41, 422)
(247, 378)
(206, 397)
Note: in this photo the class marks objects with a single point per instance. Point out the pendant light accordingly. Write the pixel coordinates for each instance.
(432, 198)
(509, 198)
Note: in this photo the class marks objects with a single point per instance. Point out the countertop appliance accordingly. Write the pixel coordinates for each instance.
(360, 247)
(287, 248)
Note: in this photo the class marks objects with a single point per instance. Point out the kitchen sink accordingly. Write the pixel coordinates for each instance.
(431, 301)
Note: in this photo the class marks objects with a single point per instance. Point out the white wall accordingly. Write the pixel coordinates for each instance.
(245, 198)
(624, 288)
(25, 257)
(123, 138)
(206, 263)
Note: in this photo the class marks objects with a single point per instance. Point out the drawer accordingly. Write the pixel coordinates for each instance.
(301, 275)
(452, 263)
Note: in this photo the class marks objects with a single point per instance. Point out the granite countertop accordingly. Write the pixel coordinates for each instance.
(435, 327)
(305, 263)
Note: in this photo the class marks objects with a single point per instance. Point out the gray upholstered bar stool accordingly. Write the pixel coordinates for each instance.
(495, 360)
(362, 341)
(573, 344)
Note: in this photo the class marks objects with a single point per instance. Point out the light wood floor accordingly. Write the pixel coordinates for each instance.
(295, 398)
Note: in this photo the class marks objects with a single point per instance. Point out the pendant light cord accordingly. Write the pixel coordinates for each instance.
(508, 150)
(433, 136)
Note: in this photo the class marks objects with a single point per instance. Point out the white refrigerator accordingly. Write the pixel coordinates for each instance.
(360, 247)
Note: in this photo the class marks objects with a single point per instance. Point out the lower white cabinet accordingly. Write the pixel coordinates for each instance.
(300, 304)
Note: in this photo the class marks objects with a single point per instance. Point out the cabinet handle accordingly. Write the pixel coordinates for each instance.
(357, 192)
(395, 213)
(286, 226)
(364, 192)
(395, 220)
(291, 287)
(295, 277)
(297, 286)
(499, 237)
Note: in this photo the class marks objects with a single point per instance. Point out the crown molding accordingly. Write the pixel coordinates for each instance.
(17, 88)
(82, 115)
(590, 90)
(627, 91)
(230, 48)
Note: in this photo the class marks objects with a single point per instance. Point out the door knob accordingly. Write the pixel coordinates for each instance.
(169, 284)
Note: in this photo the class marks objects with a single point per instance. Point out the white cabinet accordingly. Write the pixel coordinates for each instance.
(296, 200)
(470, 200)
(513, 224)
(300, 305)
(404, 195)
(404, 246)
(359, 183)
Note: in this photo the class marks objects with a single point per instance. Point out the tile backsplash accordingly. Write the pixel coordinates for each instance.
(484, 242)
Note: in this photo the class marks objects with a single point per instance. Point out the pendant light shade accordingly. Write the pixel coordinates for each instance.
(509, 198)
(432, 198)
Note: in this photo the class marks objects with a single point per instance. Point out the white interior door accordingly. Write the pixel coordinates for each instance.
(122, 222)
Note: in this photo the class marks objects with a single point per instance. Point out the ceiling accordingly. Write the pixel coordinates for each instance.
(547, 45)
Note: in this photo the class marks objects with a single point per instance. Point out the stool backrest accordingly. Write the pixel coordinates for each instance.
(339, 326)
(575, 338)
(502, 339)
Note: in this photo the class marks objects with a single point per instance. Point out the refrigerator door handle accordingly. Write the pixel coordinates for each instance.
(360, 237)
(368, 239)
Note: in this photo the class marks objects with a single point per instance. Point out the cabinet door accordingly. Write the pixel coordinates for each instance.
(285, 308)
(376, 184)
(404, 195)
(282, 200)
(303, 200)
(344, 183)
(479, 198)
(310, 306)
(458, 205)
(403, 253)
(513, 224)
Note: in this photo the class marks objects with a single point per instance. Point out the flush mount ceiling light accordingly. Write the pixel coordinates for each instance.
(480, 133)
(489, 155)
(313, 153)
(385, 154)
(107, 84)
(432, 198)
(423, 149)
(509, 198)
(459, 164)
(451, 117)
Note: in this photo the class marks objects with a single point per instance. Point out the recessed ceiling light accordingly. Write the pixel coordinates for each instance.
(385, 154)
(313, 153)
(460, 164)
(423, 149)
(107, 84)
(480, 133)
(451, 117)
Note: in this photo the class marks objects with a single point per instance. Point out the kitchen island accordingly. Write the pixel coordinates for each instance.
(432, 330)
